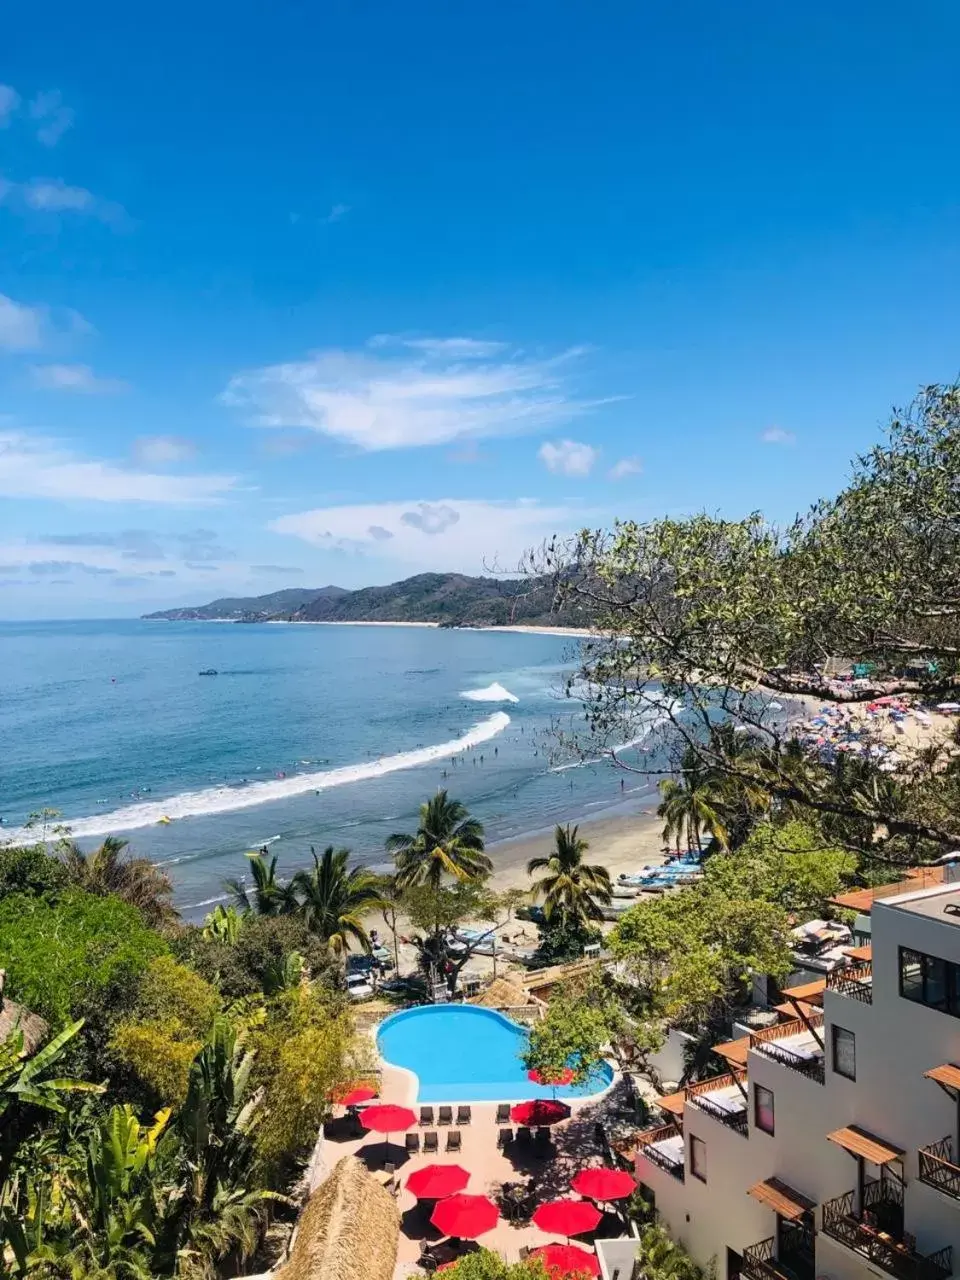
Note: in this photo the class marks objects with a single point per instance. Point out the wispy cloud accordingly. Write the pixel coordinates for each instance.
(9, 102)
(403, 393)
(52, 118)
(78, 378)
(163, 451)
(337, 212)
(625, 467)
(568, 457)
(39, 467)
(273, 569)
(446, 534)
(54, 196)
(21, 326)
(776, 435)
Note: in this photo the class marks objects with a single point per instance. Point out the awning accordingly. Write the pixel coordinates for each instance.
(807, 992)
(673, 1102)
(734, 1051)
(799, 1008)
(860, 954)
(781, 1198)
(948, 1075)
(867, 1146)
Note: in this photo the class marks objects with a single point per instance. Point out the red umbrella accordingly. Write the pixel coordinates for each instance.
(560, 1077)
(567, 1217)
(387, 1119)
(436, 1181)
(361, 1093)
(465, 1217)
(604, 1184)
(567, 1260)
(539, 1112)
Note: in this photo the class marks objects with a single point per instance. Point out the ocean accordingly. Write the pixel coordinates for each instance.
(308, 735)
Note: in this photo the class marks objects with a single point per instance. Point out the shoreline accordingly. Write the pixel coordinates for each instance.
(575, 633)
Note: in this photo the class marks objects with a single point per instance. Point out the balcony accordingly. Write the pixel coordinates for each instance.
(794, 1045)
(876, 1233)
(761, 1263)
(854, 981)
(937, 1168)
(664, 1148)
(723, 1099)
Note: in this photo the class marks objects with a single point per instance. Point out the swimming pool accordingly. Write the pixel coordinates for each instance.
(460, 1053)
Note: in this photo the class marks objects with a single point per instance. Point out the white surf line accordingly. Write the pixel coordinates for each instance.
(492, 693)
(212, 800)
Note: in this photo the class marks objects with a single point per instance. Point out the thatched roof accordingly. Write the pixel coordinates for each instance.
(14, 1017)
(540, 982)
(501, 994)
(349, 1230)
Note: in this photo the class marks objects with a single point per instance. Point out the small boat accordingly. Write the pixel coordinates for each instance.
(208, 671)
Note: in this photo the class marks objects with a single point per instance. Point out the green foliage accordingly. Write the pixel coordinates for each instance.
(563, 939)
(268, 895)
(222, 924)
(31, 870)
(77, 957)
(660, 1258)
(109, 870)
(447, 842)
(260, 952)
(572, 890)
(574, 1033)
(791, 865)
(487, 1265)
(334, 898)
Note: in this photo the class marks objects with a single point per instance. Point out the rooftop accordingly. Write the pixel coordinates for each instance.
(938, 902)
(863, 899)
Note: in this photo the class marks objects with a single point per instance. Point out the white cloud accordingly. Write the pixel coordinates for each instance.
(448, 534)
(9, 101)
(776, 435)
(52, 117)
(73, 377)
(54, 196)
(336, 213)
(568, 457)
(21, 327)
(401, 393)
(625, 467)
(38, 467)
(163, 451)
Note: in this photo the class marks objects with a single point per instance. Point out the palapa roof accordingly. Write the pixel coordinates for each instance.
(14, 1017)
(349, 1230)
(540, 980)
(501, 994)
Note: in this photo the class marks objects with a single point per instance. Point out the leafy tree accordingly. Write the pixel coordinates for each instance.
(562, 940)
(484, 1264)
(447, 842)
(791, 865)
(260, 953)
(571, 888)
(660, 1258)
(438, 913)
(30, 869)
(573, 1033)
(270, 895)
(109, 871)
(334, 899)
(222, 924)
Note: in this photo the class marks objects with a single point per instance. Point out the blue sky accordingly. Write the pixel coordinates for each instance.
(296, 294)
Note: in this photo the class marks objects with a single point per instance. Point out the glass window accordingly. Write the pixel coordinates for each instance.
(934, 982)
(763, 1108)
(698, 1158)
(911, 975)
(844, 1053)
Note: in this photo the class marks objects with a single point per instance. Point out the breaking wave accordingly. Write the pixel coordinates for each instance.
(492, 693)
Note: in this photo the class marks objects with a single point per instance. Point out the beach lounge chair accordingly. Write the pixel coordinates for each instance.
(430, 1144)
(543, 1137)
(503, 1113)
(524, 1134)
(445, 1116)
(427, 1262)
(453, 1140)
(426, 1117)
(412, 1144)
(463, 1115)
(504, 1137)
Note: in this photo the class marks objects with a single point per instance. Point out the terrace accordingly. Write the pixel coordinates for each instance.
(790, 1254)
(794, 1044)
(664, 1148)
(854, 981)
(722, 1097)
(875, 1232)
(937, 1168)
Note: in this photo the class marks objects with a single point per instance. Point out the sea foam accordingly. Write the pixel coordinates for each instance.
(193, 804)
(492, 693)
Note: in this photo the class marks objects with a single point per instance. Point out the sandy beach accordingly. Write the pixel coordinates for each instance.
(575, 633)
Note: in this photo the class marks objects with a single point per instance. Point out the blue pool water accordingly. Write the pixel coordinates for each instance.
(460, 1053)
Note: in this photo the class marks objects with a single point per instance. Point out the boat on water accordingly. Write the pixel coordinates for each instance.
(208, 671)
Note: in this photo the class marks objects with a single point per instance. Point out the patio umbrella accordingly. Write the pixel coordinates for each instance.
(540, 1111)
(555, 1078)
(465, 1217)
(387, 1119)
(604, 1184)
(360, 1093)
(567, 1260)
(567, 1217)
(436, 1181)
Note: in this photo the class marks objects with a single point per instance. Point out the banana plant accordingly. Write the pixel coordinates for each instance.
(22, 1078)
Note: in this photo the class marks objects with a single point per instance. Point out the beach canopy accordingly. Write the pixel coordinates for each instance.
(436, 1181)
(387, 1118)
(551, 1077)
(604, 1184)
(567, 1260)
(360, 1093)
(465, 1217)
(567, 1217)
(540, 1111)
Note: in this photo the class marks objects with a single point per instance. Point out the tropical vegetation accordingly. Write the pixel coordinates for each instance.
(572, 890)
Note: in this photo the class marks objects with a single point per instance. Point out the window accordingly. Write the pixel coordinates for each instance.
(844, 1053)
(931, 981)
(698, 1158)
(763, 1108)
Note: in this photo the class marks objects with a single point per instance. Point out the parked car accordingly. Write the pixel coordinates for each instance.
(359, 987)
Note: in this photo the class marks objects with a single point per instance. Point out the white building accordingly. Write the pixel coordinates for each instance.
(829, 1149)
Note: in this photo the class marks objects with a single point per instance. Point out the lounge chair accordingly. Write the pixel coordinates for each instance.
(504, 1137)
(430, 1143)
(543, 1137)
(463, 1115)
(445, 1116)
(503, 1113)
(524, 1134)
(426, 1117)
(412, 1144)
(453, 1140)
(426, 1260)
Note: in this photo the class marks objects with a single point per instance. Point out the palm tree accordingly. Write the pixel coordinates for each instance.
(572, 889)
(334, 899)
(447, 842)
(693, 804)
(271, 897)
(108, 870)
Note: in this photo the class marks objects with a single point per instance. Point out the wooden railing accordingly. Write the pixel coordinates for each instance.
(855, 981)
(759, 1262)
(899, 1258)
(937, 1168)
(663, 1161)
(765, 1042)
(735, 1120)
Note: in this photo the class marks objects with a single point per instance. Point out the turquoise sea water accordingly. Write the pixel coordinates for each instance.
(308, 735)
(460, 1053)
